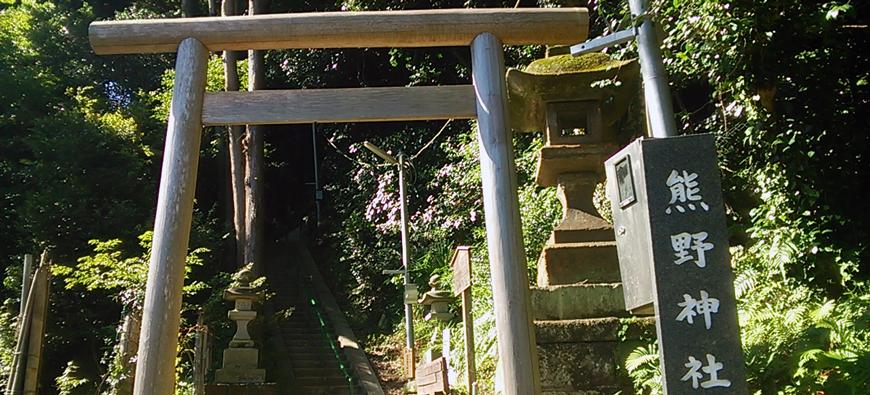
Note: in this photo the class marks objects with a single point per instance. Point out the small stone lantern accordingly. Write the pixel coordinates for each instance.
(438, 300)
(240, 359)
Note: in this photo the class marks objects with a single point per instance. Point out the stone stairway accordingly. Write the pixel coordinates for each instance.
(318, 365)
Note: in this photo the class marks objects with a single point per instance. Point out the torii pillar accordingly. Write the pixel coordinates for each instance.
(158, 340)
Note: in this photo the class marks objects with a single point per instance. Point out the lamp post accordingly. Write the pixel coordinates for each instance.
(409, 321)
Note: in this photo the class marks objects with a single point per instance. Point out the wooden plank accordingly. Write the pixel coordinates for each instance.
(339, 105)
(504, 236)
(161, 313)
(432, 377)
(361, 29)
(461, 267)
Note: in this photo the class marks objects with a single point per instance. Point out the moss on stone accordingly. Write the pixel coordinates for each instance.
(563, 64)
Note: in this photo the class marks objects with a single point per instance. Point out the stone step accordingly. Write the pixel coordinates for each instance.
(584, 367)
(330, 390)
(320, 362)
(590, 330)
(313, 355)
(571, 263)
(603, 390)
(321, 381)
(321, 348)
(562, 302)
(308, 347)
(302, 336)
(309, 371)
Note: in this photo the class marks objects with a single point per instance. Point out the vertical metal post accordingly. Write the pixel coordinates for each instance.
(155, 368)
(510, 279)
(409, 317)
(656, 93)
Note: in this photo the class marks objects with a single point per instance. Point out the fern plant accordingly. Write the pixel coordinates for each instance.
(643, 367)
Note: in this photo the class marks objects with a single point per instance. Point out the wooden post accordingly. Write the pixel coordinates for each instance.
(510, 279)
(199, 356)
(25, 285)
(468, 325)
(37, 326)
(15, 382)
(461, 267)
(254, 163)
(127, 348)
(155, 368)
(234, 140)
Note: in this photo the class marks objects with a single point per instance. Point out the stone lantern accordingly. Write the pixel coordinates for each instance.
(438, 300)
(241, 357)
(576, 102)
(577, 303)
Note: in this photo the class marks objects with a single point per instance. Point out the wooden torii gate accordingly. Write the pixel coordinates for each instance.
(485, 30)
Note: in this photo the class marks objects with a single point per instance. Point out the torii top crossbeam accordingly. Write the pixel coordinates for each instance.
(363, 29)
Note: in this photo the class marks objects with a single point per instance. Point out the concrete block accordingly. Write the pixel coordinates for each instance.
(560, 302)
(592, 262)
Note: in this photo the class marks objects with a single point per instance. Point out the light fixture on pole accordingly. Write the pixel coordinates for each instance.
(409, 322)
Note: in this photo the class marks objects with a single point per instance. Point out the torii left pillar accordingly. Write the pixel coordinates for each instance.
(155, 368)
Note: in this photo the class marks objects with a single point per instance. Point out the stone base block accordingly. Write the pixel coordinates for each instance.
(580, 366)
(238, 375)
(242, 389)
(241, 358)
(570, 263)
(610, 329)
(561, 302)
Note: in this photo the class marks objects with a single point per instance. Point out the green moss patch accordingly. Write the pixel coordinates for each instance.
(563, 64)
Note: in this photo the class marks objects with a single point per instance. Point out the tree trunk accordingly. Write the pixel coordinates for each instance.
(189, 8)
(254, 162)
(234, 141)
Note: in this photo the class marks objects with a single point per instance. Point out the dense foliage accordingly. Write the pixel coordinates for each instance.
(784, 85)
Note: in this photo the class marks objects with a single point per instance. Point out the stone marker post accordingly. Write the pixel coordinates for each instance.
(672, 242)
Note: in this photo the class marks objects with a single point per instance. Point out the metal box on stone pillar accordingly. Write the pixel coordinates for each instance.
(672, 242)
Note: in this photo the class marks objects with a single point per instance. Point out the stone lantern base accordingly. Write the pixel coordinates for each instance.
(240, 366)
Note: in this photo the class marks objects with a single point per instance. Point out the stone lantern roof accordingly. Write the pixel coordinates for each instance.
(566, 78)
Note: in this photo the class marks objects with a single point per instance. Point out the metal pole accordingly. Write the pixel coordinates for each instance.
(155, 367)
(656, 93)
(507, 259)
(409, 318)
(317, 195)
